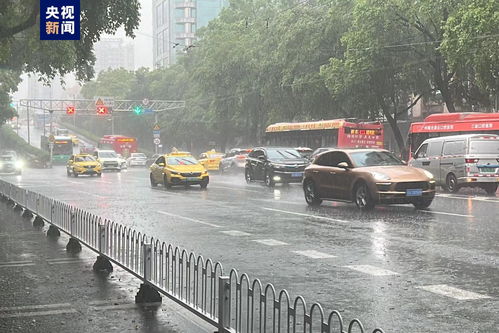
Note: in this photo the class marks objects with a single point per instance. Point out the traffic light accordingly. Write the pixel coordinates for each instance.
(138, 110)
(70, 110)
(102, 110)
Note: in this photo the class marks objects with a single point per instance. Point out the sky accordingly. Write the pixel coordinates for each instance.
(143, 39)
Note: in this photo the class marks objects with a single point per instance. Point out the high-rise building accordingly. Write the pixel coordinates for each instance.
(112, 53)
(175, 23)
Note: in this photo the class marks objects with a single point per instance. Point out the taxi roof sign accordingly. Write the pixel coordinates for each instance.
(179, 153)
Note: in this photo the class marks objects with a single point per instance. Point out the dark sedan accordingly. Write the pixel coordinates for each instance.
(275, 165)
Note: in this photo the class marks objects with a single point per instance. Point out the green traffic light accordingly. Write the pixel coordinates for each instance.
(138, 110)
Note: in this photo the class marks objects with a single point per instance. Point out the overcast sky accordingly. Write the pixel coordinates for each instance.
(143, 39)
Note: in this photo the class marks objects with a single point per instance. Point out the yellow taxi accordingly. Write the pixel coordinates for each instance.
(211, 159)
(178, 168)
(83, 164)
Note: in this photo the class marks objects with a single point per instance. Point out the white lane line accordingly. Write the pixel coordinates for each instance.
(39, 313)
(189, 219)
(18, 264)
(279, 201)
(444, 213)
(68, 261)
(34, 307)
(484, 199)
(371, 270)
(72, 182)
(446, 290)
(236, 233)
(270, 242)
(314, 254)
(123, 306)
(306, 215)
(234, 189)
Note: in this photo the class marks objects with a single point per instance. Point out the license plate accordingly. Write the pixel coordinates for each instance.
(487, 169)
(297, 174)
(192, 178)
(414, 193)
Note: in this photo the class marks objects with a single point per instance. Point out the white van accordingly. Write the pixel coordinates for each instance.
(470, 160)
(108, 159)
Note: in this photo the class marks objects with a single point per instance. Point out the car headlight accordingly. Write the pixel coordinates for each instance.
(19, 164)
(277, 166)
(428, 174)
(379, 176)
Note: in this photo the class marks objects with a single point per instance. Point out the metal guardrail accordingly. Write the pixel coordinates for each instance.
(232, 303)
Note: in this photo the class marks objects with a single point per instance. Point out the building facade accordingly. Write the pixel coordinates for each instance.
(112, 53)
(175, 23)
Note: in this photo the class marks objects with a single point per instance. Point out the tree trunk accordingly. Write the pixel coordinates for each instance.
(396, 132)
(443, 84)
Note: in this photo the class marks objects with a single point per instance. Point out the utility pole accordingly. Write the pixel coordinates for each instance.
(27, 108)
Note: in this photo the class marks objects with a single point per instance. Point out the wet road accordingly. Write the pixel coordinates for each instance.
(395, 267)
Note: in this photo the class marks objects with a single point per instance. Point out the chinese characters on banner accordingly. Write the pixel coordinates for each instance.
(59, 19)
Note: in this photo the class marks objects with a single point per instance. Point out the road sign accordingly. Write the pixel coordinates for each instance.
(157, 141)
(146, 110)
(51, 138)
(156, 136)
(156, 127)
(99, 102)
(145, 101)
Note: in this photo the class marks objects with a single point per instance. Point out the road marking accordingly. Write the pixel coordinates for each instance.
(122, 306)
(39, 313)
(16, 263)
(189, 219)
(236, 233)
(270, 242)
(314, 254)
(68, 261)
(306, 215)
(484, 199)
(371, 270)
(279, 201)
(445, 213)
(34, 307)
(235, 189)
(460, 294)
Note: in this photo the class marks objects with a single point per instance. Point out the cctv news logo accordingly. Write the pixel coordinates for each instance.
(59, 19)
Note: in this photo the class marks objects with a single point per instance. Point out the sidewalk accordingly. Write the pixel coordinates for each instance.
(43, 288)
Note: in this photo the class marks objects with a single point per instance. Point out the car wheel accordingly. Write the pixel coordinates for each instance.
(220, 169)
(166, 183)
(422, 203)
(311, 196)
(268, 179)
(74, 173)
(490, 188)
(153, 183)
(451, 183)
(68, 172)
(363, 198)
(99, 174)
(204, 183)
(248, 176)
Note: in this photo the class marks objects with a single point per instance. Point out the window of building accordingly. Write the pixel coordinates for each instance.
(179, 27)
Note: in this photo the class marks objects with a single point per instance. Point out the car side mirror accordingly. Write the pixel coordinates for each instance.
(161, 164)
(343, 165)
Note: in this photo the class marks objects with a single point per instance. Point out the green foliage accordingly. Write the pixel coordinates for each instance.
(10, 140)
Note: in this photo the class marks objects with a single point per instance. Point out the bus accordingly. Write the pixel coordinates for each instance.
(62, 150)
(341, 133)
(121, 144)
(443, 124)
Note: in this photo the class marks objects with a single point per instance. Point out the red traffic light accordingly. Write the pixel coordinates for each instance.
(70, 110)
(102, 110)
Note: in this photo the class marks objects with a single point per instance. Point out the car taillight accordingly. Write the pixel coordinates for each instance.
(240, 157)
(471, 160)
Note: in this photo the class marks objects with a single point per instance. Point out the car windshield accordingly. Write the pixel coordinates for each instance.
(107, 154)
(283, 154)
(374, 158)
(182, 160)
(84, 159)
(484, 147)
(139, 155)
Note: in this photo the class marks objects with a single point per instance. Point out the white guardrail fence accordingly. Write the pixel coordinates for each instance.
(231, 303)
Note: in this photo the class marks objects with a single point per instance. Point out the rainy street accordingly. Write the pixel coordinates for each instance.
(434, 270)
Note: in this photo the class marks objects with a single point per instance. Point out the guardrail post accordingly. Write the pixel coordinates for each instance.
(73, 245)
(147, 293)
(102, 264)
(223, 304)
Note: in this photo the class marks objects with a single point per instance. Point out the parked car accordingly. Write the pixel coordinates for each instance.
(136, 159)
(366, 177)
(469, 160)
(108, 159)
(275, 165)
(305, 152)
(234, 160)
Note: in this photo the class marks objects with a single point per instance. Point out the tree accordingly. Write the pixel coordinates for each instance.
(22, 51)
